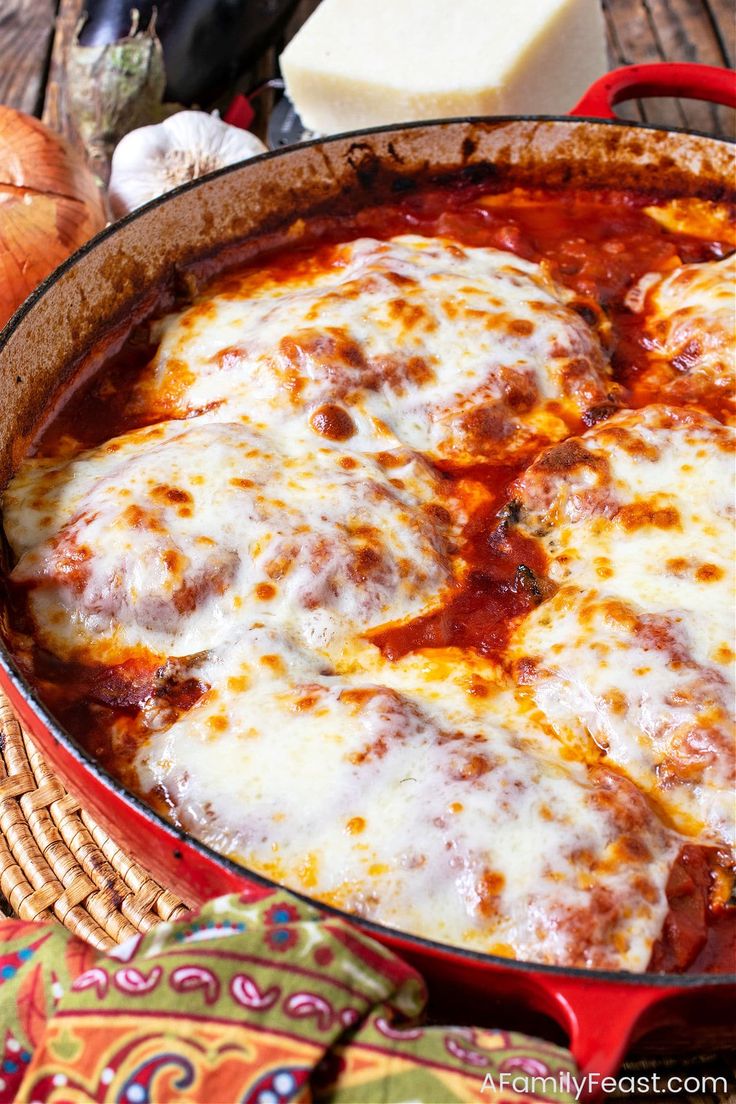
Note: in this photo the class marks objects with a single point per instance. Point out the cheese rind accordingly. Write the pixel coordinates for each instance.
(357, 65)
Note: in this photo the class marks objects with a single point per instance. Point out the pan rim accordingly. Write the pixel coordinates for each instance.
(468, 120)
(666, 982)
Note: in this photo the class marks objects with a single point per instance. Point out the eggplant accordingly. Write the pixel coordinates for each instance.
(206, 43)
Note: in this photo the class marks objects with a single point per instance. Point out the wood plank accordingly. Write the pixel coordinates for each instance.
(644, 31)
(723, 19)
(638, 41)
(686, 33)
(26, 27)
(617, 56)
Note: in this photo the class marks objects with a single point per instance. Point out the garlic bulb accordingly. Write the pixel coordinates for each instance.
(154, 159)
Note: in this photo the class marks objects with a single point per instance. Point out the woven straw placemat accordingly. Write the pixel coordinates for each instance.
(55, 861)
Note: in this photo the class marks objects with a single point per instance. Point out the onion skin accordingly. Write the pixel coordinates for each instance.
(49, 205)
(206, 43)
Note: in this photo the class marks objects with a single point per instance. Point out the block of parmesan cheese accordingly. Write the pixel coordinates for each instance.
(359, 63)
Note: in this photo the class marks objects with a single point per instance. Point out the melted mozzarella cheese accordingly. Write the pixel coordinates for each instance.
(462, 352)
(169, 536)
(690, 320)
(239, 551)
(700, 218)
(404, 805)
(635, 648)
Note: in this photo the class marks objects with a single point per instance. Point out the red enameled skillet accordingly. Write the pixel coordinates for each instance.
(117, 278)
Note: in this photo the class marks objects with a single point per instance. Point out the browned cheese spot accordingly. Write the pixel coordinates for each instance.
(617, 702)
(568, 456)
(678, 565)
(632, 848)
(171, 496)
(478, 687)
(138, 518)
(411, 315)
(640, 515)
(358, 696)
(174, 562)
(306, 702)
(367, 563)
(709, 573)
(333, 422)
(489, 888)
(274, 662)
(631, 442)
(472, 767)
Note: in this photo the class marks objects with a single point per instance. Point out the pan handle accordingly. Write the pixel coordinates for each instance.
(696, 82)
(603, 1021)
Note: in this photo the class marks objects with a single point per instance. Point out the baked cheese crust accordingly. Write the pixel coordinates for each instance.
(167, 537)
(463, 353)
(312, 466)
(635, 649)
(690, 331)
(406, 804)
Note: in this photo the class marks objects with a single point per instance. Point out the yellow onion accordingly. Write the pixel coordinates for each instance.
(49, 205)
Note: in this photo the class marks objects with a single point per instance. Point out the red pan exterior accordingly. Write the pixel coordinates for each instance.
(117, 278)
(631, 82)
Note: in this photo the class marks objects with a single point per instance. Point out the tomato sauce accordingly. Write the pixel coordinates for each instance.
(699, 932)
(505, 579)
(598, 244)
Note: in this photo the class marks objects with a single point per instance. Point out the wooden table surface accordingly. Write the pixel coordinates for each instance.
(32, 42)
(638, 31)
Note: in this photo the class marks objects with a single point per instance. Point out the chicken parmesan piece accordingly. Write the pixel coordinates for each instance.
(689, 332)
(335, 658)
(395, 800)
(464, 353)
(168, 537)
(634, 651)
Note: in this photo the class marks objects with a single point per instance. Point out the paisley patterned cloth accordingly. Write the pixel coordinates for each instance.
(259, 1002)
